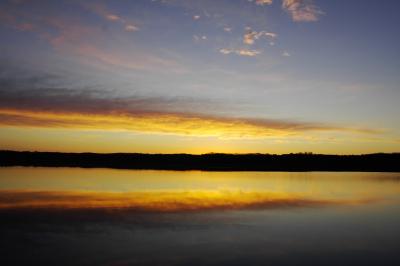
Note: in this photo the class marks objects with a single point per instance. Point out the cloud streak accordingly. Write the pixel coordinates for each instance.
(146, 61)
(86, 109)
(242, 52)
(109, 15)
(161, 122)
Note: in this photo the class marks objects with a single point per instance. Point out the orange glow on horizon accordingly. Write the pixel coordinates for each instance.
(167, 123)
(178, 133)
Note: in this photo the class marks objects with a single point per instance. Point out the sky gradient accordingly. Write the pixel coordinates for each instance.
(171, 76)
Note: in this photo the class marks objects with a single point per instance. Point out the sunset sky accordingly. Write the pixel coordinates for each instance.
(182, 76)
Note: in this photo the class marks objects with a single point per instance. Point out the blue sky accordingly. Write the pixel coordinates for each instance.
(232, 76)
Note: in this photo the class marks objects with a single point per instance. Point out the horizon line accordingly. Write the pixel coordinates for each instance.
(199, 154)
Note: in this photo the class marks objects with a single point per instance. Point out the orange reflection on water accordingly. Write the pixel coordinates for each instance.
(163, 201)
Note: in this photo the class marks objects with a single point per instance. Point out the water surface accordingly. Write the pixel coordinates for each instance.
(73, 216)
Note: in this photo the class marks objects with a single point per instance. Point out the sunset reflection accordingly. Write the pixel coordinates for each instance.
(167, 201)
(122, 217)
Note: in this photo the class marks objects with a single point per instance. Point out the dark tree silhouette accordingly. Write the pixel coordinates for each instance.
(379, 162)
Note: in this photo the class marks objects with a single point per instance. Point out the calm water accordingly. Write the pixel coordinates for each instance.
(72, 216)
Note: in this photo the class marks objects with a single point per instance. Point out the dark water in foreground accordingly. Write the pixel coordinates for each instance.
(65, 216)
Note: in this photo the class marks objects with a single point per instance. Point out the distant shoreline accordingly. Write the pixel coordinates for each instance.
(378, 162)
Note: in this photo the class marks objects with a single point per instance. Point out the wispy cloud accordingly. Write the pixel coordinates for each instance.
(198, 38)
(263, 2)
(101, 10)
(251, 36)
(129, 27)
(246, 52)
(225, 51)
(75, 37)
(128, 61)
(106, 13)
(81, 40)
(25, 26)
(14, 21)
(242, 52)
(228, 29)
(302, 10)
(112, 17)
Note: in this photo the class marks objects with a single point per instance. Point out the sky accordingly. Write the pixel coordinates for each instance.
(183, 76)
